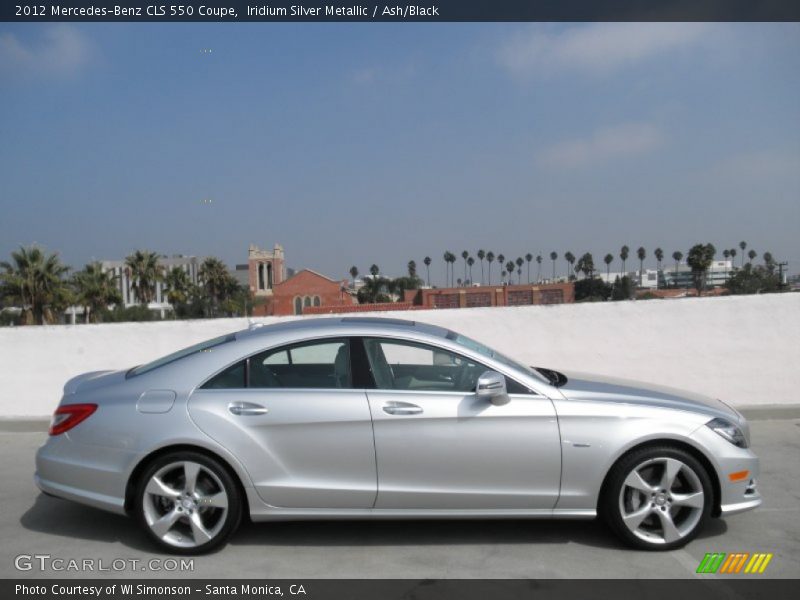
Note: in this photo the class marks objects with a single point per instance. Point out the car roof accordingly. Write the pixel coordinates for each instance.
(352, 325)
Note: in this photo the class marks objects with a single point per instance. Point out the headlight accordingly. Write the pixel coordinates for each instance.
(729, 431)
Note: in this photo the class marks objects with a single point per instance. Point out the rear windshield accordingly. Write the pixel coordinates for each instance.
(201, 347)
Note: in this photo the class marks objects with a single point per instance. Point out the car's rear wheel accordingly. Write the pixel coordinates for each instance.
(657, 498)
(188, 503)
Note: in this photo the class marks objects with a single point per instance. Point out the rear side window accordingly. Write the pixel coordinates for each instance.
(323, 364)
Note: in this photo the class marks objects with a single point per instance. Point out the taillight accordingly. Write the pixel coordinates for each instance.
(69, 415)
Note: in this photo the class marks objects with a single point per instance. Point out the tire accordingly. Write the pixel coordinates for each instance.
(657, 498)
(188, 503)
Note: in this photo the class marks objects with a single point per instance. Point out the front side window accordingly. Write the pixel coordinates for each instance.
(402, 365)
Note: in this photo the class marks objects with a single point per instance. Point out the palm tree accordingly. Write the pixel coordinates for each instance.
(570, 258)
(751, 255)
(529, 258)
(586, 265)
(677, 256)
(178, 285)
(144, 273)
(608, 259)
(732, 252)
(623, 254)
(35, 280)
(743, 246)
(215, 281)
(453, 259)
(412, 269)
(554, 258)
(465, 256)
(641, 254)
(501, 260)
(510, 270)
(470, 262)
(374, 270)
(699, 259)
(538, 268)
(490, 260)
(95, 289)
(659, 253)
(481, 255)
(520, 262)
(446, 258)
(726, 254)
(427, 261)
(354, 274)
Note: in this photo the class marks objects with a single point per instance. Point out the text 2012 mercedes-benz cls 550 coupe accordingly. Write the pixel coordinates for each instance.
(381, 418)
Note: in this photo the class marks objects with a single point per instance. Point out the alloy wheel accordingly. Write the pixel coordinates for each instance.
(185, 504)
(661, 500)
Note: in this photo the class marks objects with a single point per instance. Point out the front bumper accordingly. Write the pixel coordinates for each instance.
(737, 471)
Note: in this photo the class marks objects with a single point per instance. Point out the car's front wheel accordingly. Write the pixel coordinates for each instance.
(188, 503)
(657, 498)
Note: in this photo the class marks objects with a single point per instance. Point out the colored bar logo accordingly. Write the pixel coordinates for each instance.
(734, 563)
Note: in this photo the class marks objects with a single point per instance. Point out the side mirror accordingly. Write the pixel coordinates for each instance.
(492, 387)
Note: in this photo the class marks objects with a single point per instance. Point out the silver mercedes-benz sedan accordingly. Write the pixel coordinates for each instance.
(381, 418)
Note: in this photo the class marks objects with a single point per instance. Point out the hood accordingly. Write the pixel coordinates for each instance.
(92, 380)
(582, 386)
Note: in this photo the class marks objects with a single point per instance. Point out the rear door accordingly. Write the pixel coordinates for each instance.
(292, 417)
(439, 446)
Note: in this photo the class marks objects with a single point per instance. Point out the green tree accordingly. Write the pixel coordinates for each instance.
(538, 268)
(427, 262)
(659, 254)
(751, 255)
(144, 273)
(95, 290)
(554, 258)
(622, 288)
(470, 262)
(412, 269)
(743, 247)
(354, 274)
(570, 258)
(217, 283)
(490, 260)
(36, 282)
(732, 253)
(481, 255)
(592, 290)
(608, 259)
(446, 257)
(528, 259)
(501, 262)
(465, 256)
(178, 286)
(641, 254)
(510, 270)
(753, 280)
(623, 255)
(699, 259)
(677, 256)
(586, 265)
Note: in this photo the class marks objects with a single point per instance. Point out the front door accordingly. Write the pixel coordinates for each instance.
(440, 447)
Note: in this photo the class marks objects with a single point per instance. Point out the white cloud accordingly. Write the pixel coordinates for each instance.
(596, 48)
(61, 50)
(628, 139)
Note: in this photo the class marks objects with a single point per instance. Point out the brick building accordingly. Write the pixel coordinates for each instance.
(304, 290)
(506, 295)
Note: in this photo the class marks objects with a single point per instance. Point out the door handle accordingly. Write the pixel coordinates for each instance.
(243, 409)
(402, 408)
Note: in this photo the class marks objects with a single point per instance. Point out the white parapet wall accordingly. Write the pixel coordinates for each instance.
(744, 349)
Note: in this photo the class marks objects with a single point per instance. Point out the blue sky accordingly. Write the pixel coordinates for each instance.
(379, 143)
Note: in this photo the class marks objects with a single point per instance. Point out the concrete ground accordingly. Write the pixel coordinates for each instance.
(31, 523)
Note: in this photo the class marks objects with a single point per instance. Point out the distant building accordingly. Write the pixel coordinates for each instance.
(302, 291)
(647, 279)
(266, 269)
(189, 264)
(682, 277)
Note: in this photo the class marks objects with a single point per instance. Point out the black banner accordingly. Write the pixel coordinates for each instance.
(429, 10)
(741, 588)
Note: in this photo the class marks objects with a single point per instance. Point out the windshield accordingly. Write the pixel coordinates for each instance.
(463, 340)
(201, 347)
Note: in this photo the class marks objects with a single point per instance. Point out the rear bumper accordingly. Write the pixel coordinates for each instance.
(83, 473)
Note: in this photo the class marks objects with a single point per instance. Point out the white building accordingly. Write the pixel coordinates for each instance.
(717, 274)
